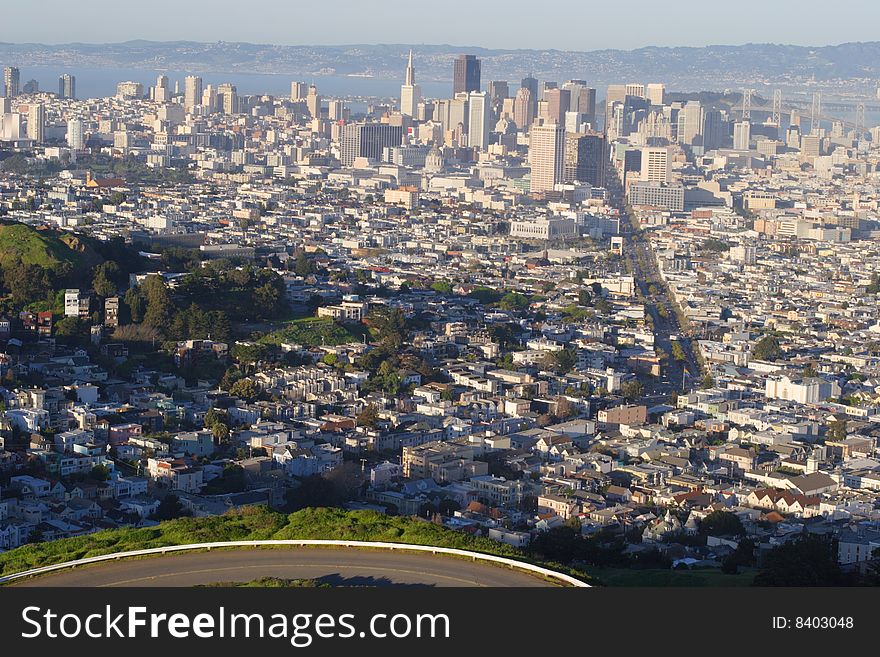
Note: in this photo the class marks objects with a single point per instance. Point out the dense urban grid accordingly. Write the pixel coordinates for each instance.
(632, 331)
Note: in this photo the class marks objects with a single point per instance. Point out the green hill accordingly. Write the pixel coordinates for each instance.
(253, 523)
(20, 243)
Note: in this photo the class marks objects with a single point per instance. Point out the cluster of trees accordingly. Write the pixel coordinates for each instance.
(767, 348)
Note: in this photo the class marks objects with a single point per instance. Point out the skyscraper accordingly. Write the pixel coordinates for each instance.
(466, 74)
(67, 86)
(714, 129)
(75, 136)
(298, 91)
(367, 140)
(313, 102)
(410, 92)
(227, 98)
(690, 124)
(546, 156)
(161, 92)
(656, 165)
(655, 92)
(11, 81)
(36, 127)
(585, 158)
(523, 114)
(558, 101)
(192, 92)
(741, 135)
(479, 121)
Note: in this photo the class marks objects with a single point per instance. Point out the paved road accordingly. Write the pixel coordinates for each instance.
(342, 567)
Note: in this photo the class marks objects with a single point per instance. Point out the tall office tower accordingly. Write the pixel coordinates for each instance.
(616, 93)
(227, 98)
(209, 98)
(441, 113)
(458, 112)
(584, 159)
(714, 129)
(465, 74)
(546, 156)
(635, 89)
(573, 87)
(367, 140)
(5, 105)
(192, 92)
(690, 123)
(656, 165)
(67, 86)
(313, 102)
(479, 123)
(586, 105)
(335, 110)
(741, 135)
(162, 92)
(410, 92)
(75, 137)
(298, 91)
(531, 84)
(11, 81)
(655, 92)
(36, 128)
(499, 91)
(31, 87)
(558, 101)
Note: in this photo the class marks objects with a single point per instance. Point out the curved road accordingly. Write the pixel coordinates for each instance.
(337, 567)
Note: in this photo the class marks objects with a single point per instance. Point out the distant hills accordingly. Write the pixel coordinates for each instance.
(710, 67)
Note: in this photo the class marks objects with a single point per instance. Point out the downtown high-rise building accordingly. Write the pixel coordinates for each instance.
(36, 127)
(227, 98)
(298, 91)
(656, 165)
(479, 122)
(546, 156)
(367, 140)
(11, 81)
(584, 160)
(162, 92)
(192, 92)
(313, 102)
(67, 86)
(557, 103)
(655, 91)
(690, 124)
(465, 74)
(523, 112)
(715, 129)
(410, 92)
(741, 135)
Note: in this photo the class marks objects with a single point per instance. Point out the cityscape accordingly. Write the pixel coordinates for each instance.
(631, 329)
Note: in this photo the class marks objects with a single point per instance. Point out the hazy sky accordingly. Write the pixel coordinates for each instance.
(575, 25)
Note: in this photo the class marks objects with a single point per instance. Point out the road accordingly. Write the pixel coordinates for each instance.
(643, 265)
(343, 567)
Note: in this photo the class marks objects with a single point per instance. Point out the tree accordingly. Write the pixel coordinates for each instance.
(220, 432)
(389, 325)
(767, 348)
(678, 352)
(562, 361)
(244, 388)
(584, 297)
(100, 473)
(809, 560)
(303, 266)
(103, 280)
(369, 417)
(722, 523)
(69, 327)
(836, 430)
(159, 305)
(170, 508)
(632, 389)
(313, 491)
(136, 303)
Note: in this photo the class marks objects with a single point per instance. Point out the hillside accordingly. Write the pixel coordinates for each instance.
(20, 243)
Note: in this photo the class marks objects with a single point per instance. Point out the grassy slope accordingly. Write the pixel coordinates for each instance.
(251, 524)
(21, 243)
(312, 332)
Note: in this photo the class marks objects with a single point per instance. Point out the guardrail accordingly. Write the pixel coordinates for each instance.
(475, 556)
